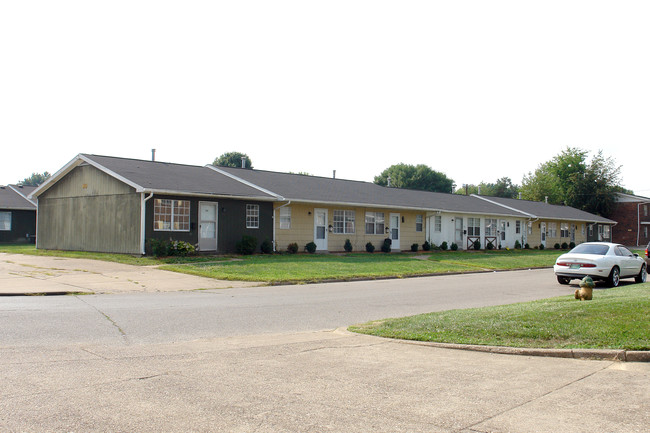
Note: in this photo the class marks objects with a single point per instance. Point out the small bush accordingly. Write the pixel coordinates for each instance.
(572, 245)
(385, 247)
(292, 248)
(414, 248)
(166, 248)
(526, 246)
(541, 246)
(489, 246)
(477, 245)
(556, 246)
(181, 248)
(454, 247)
(426, 246)
(348, 246)
(517, 245)
(266, 247)
(247, 245)
(564, 245)
(443, 246)
(370, 247)
(310, 248)
(159, 248)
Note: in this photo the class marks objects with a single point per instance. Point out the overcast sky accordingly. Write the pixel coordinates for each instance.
(475, 89)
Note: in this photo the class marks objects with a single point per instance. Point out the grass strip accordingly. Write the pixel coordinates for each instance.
(615, 319)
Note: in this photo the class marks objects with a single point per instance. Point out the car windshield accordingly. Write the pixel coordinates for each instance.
(599, 250)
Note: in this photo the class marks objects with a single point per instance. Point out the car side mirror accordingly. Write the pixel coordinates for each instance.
(636, 255)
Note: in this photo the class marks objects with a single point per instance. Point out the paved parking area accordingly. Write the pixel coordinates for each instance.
(24, 274)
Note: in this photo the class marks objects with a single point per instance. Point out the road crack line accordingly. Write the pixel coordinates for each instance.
(539, 397)
(107, 317)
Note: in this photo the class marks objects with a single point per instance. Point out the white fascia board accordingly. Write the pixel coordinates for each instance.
(75, 162)
(111, 173)
(245, 182)
(410, 208)
(26, 197)
(504, 206)
(207, 195)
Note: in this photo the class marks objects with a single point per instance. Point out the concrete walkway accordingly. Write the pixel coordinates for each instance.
(24, 274)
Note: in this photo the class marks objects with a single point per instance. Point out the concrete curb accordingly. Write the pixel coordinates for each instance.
(586, 354)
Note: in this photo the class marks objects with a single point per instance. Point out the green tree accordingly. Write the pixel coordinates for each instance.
(419, 177)
(502, 188)
(233, 159)
(35, 179)
(569, 178)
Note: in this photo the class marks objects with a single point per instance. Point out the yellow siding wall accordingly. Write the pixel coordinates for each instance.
(302, 228)
(534, 239)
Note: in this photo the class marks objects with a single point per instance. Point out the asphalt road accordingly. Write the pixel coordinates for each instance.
(269, 359)
(142, 318)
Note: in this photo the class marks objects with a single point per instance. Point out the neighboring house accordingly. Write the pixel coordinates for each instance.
(107, 204)
(550, 224)
(100, 203)
(17, 214)
(633, 215)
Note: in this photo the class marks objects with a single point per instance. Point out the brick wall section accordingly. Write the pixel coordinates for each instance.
(625, 232)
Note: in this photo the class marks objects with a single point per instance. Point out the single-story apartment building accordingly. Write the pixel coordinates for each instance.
(17, 214)
(102, 203)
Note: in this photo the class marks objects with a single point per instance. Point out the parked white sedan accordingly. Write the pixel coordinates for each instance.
(600, 261)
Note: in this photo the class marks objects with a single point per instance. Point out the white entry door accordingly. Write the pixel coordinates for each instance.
(320, 229)
(458, 232)
(503, 240)
(394, 231)
(208, 226)
(543, 234)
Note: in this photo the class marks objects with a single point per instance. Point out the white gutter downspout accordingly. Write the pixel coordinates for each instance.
(143, 209)
(274, 221)
(638, 221)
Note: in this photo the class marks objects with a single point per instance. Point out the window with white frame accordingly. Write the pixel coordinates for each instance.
(375, 223)
(606, 230)
(518, 227)
(343, 221)
(564, 230)
(171, 215)
(490, 227)
(645, 210)
(591, 229)
(552, 230)
(582, 229)
(437, 224)
(285, 217)
(530, 227)
(252, 216)
(645, 231)
(474, 227)
(5, 221)
(601, 232)
(418, 223)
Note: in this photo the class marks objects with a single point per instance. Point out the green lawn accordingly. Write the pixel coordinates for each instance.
(324, 267)
(615, 319)
(302, 268)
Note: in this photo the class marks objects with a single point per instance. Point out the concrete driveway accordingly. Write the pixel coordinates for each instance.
(24, 274)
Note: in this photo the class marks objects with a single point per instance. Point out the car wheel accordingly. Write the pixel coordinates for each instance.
(614, 277)
(643, 275)
(563, 280)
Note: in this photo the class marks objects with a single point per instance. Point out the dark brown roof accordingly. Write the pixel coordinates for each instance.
(314, 189)
(175, 178)
(12, 200)
(550, 211)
